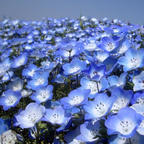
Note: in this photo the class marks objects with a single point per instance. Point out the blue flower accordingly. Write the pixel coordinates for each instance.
(91, 45)
(108, 44)
(99, 107)
(30, 116)
(95, 72)
(39, 80)
(124, 47)
(20, 60)
(133, 59)
(29, 71)
(89, 132)
(138, 82)
(93, 86)
(122, 98)
(102, 55)
(10, 99)
(48, 65)
(56, 115)
(5, 66)
(43, 94)
(139, 108)
(74, 67)
(138, 98)
(114, 80)
(7, 76)
(125, 122)
(76, 97)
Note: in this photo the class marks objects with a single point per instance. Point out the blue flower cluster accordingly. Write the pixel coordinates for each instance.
(72, 81)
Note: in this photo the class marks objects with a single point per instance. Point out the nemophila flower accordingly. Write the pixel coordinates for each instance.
(138, 98)
(48, 65)
(10, 99)
(30, 116)
(59, 79)
(110, 63)
(95, 72)
(16, 84)
(124, 47)
(74, 67)
(56, 115)
(7, 76)
(20, 60)
(125, 122)
(138, 82)
(39, 80)
(76, 97)
(139, 108)
(90, 45)
(89, 132)
(117, 81)
(108, 44)
(122, 98)
(99, 107)
(43, 94)
(133, 59)
(8, 137)
(29, 71)
(102, 55)
(93, 86)
(5, 66)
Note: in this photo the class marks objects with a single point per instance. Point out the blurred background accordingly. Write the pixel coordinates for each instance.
(125, 10)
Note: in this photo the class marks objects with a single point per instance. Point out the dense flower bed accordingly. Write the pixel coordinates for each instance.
(71, 81)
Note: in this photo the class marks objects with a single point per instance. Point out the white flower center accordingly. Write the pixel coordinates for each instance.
(76, 100)
(110, 46)
(43, 95)
(134, 62)
(100, 109)
(10, 100)
(39, 81)
(126, 127)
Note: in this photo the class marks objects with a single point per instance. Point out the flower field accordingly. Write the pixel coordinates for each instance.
(71, 81)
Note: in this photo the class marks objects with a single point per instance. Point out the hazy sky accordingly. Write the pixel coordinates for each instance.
(127, 10)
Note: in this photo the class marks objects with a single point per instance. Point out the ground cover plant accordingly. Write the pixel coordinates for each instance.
(71, 81)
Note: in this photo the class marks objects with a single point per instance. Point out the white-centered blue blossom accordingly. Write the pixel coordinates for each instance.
(125, 122)
(76, 97)
(56, 115)
(10, 99)
(122, 98)
(99, 107)
(20, 60)
(30, 71)
(89, 132)
(74, 67)
(39, 80)
(43, 94)
(133, 59)
(30, 116)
